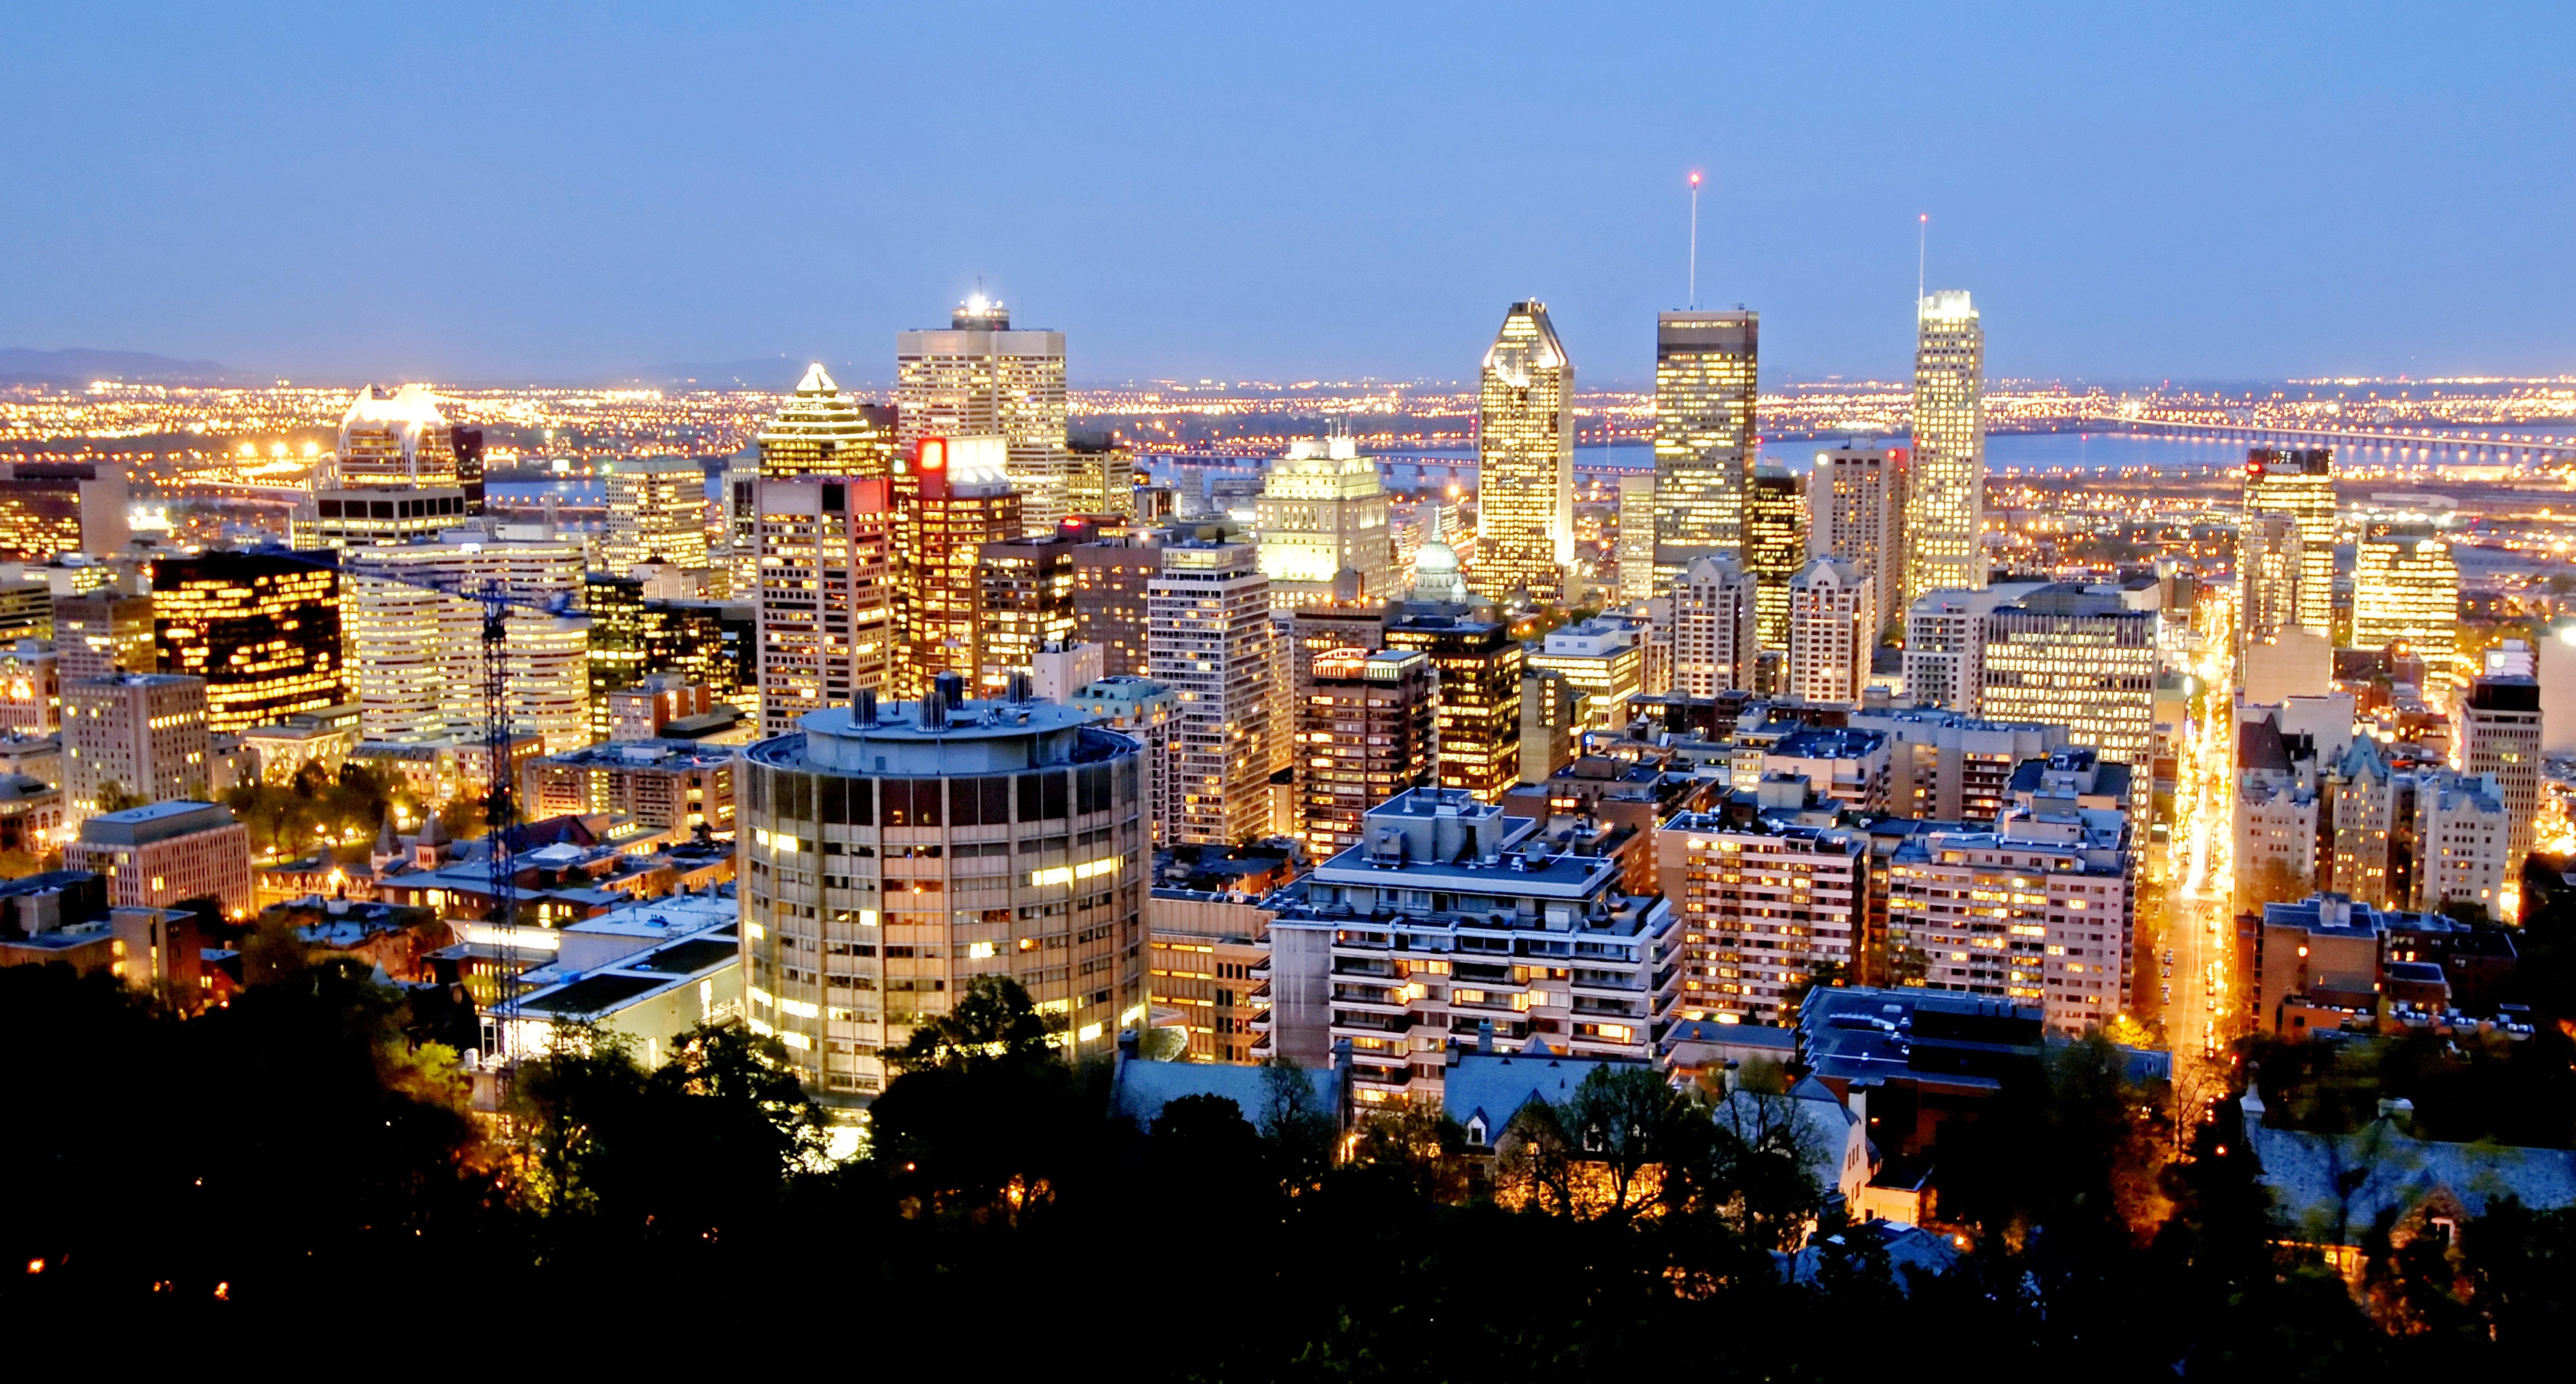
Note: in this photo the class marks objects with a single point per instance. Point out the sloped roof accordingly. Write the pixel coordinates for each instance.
(1144, 1088)
(2397, 1173)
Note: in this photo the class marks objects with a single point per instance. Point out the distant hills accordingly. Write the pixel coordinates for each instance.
(79, 367)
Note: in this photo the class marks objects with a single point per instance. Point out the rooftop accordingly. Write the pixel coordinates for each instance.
(141, 826)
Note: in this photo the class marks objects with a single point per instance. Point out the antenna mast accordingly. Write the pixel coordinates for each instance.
(1922, 239)
(1694, 243)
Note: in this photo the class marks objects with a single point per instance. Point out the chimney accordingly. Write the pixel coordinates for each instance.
(934, 709)
(1485, 1036)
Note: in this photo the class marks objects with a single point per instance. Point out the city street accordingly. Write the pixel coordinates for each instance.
(2194, 969)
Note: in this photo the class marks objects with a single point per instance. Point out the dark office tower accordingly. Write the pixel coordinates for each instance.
(262, 630)
(1027, 602)
(712, 643)
(1775, 547)
(1706, 369)
(1109, 579)
(468, 444)
(1364, 735)
(1477, 665)
(618, 653)
(62, 507)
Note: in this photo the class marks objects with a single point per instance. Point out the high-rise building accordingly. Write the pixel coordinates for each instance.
(1109, 578)
(1716, 633)
(1605, 659)
(2079, 657)
(417, 653)
(1856, 496)
(1764, 907)
(1525, 461)
(1209, 638)
(164, 854)
(2499, 734)
(960, 502)
(827, 595)
(396, 439)
(1706, 373)
(1477, 668)
(710, 643)
(1945, 490)
(1775, 546)
(1027, 603)
(1149, 712)
(48, 508)
(2406, 590)
(1104, 478)
(821, 431)
(262, 630)
(2269, 561)
(2300, 485)
(893, 854)
(619, 655)
(101, 633)
(1945, 644)
(2059, 932)
(1832, 629)
(1363, 736)
(142, 733)
(1323, 512)
(1551, 716)
(980, 378)
(657, 512)
(1637, 581)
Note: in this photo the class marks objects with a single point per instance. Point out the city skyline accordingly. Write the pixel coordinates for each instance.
(2148, 226)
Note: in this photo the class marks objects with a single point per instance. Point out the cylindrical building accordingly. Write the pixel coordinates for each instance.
(892, 854)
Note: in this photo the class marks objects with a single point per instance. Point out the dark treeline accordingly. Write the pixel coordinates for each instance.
(299, 1171)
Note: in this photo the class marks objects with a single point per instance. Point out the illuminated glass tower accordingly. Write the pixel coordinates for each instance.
(1525, 460)
(2301, 485)
(657, 512)
(1705, 368)
(1945, 501)
(1775, 546)
(980, 378)
(950, 504)
(825, 432)
(262, 630)
(2406, 589)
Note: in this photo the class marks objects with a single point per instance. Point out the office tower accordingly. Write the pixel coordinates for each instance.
(960, 502)
(2269, 559)
(739, 557)
(980, 378)
(1476, 665)
(895, 853)
(395, 440)
(1637, 581)
(1209, 638)
(1321, 513)
(164, 854)
(1109, 578)
(1832, 629)
(1026, 604)
(710, 643)
(52, 507)
(1140, 707)
(1945, 644)
(2406, 590)
(31, 688)
(262, 630)
(2499, 734)
(1746, 955)
(2300, 485)
(1856, 496)
(143, 734)
(1716, 633)
(1605, 659)
(1104, 478)
(821, 431)
(2066, 654)
(1945, 489)
(1706, 375)
(1551, 709)
(1525, 461)
(1775, 547)
(2058, 935)
(417, 654)
(1364, 729)
(1436, 858)
(1948, 766)
(657, 512)
(618, 653)
(103, 632)
(827, 607)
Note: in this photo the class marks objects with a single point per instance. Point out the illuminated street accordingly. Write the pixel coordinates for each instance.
(2195, 966)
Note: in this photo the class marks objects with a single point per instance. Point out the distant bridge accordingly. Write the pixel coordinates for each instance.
(2521, 451)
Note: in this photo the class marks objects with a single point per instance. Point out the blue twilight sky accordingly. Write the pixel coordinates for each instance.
(1289, 190)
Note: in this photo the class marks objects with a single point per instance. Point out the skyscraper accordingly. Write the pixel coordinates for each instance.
(821, 431)
(1775, 546)
(142, 733)
(827, 619)
(1946, 489)
(657, 512)
(1209, 638)
(262, 630)
(980, 378)
(417, 654)
(2078, 657)
(1706, 373)
(1323, 512)
(103, 632)
(1364, 735)
(396, 439)
(1525, 460)
(1832, 628)
(1637, 578)
(2300, 484)
(1716, 633)
(1477, 695)
(1109, 578)
(1857, 495)
(2268, 563)
(2406, 589)
(399, 472)
(2499, 734)
(1027, 603)
(959, 502)
(619, 655)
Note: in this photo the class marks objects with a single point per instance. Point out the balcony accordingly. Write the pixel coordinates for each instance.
(1372, 1023)
(1377, 995)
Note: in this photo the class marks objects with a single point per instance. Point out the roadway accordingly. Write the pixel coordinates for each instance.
(2195, 967)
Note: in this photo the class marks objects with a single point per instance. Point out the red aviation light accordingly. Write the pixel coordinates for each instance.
(934, 454)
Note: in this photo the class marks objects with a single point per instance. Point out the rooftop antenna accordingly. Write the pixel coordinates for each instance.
(1694, 243)
(1922, 240)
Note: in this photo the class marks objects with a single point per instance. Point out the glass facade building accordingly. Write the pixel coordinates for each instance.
(1706, 371)
(262, 630)
(980, 378)
(2300, 485)
(1525, 461)
(1946, 492)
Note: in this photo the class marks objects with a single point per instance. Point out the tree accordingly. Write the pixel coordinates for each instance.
(991, 1020)
(1600, 1153)
(116, 797)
